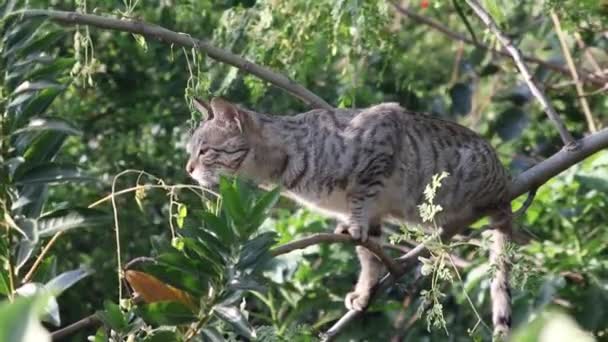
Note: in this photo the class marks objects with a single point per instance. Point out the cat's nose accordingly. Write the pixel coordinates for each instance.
(190, 167)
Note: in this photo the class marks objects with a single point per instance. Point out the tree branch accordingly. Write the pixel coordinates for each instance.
(575, 76)
(393, 267)
(181, 39)
(525, 182)
(86, 322)
(587, 77)
(487, 19)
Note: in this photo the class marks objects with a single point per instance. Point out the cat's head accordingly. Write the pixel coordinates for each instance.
(221, 145)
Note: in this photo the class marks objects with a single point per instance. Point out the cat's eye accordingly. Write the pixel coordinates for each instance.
(202, 151)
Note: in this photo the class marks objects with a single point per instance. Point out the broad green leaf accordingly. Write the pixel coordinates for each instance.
(260, 210)
(112, 316)
(232, 202)
(166, 313)
(4, 283)
(66, 219)
(37, 106)
(49, 124)
(511, 123)
(462, 99)
(50, 313)
(235, 317)
(253, 250)
(53, 173)
(219, 227)
(27, 86)
(65, 280)
(19, 321)
(37, 148)
(205, 252)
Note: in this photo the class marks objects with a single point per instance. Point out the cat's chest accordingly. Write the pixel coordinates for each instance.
(333, 204)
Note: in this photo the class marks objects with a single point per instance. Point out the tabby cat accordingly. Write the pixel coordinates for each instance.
(361, 166)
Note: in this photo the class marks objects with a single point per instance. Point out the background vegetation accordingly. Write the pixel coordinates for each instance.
(83, 106)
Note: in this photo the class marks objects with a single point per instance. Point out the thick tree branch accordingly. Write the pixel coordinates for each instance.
(525, 182)
(584, 76)
(487, 19)
(316, 239)
(181, 39)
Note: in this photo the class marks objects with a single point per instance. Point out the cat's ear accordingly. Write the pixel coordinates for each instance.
(203, 107)
(228, 113)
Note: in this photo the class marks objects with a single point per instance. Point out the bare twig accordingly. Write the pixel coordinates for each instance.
(487, 19)
(45, 250)
(572, 67)
(588, 54)
(460, 37)
(316, 239)
(86, 322)
(181, 39)
(526, 181)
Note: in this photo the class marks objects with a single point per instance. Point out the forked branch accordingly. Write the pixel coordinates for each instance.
(316, 239)
(487, 19)
(181, 39)
(448, 32)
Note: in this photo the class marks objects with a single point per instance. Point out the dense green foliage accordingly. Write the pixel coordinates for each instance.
(87, 112)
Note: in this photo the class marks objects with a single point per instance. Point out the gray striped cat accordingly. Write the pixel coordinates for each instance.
(361, 166)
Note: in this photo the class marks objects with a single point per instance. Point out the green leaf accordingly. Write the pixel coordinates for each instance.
(19, 321)
(260, 210)
(462, 98)
(65, 280)
(27, 86)
(112, 316)
(253, 250)
(52, 173)
(49, 124)
(37, 106)
(218, 226)
(235, 317)
(4, 282)
(231, 202)
(166, 313)
(495, 11)
(66, 219)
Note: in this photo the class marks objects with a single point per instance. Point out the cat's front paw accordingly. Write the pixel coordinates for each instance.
(357, 300)
(354, 230)
(341, 228)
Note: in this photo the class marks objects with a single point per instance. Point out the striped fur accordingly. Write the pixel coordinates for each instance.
(359, 166)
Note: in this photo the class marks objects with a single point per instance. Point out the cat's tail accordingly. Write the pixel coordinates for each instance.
(499, 289)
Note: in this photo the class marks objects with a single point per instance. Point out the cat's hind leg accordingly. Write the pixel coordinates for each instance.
(371, 271)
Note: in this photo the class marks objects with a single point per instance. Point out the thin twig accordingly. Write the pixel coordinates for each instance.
(572, 67)
(588, 54)
(180, 39)
(316, 239)
(72, 328)
(460, 37)
(40, 257)
(487, 19)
